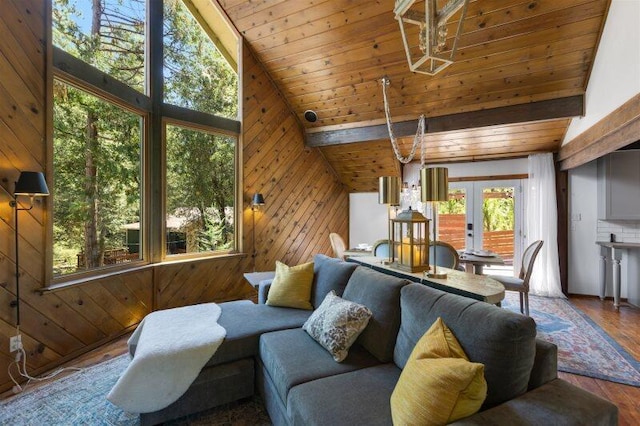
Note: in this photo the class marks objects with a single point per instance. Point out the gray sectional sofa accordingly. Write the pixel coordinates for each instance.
(267, 350)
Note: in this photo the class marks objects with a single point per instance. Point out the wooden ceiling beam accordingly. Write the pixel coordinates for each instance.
(571, 106)
(618, 129)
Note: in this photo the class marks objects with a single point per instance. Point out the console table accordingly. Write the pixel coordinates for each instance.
(615, 249)
(479, 287)
(254, 278)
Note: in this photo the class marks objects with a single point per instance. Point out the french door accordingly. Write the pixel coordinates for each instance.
(484, 215)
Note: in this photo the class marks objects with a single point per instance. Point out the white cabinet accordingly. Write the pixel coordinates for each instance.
(619, 186)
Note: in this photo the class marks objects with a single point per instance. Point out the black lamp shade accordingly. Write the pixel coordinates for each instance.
(258, 199)
(31, 184)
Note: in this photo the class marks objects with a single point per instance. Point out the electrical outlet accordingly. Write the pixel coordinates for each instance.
(15, 343)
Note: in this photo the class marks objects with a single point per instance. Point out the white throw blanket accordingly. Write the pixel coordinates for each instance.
(172, 346)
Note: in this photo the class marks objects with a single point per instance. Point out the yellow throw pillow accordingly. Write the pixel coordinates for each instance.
(439, 384)
(291, 286)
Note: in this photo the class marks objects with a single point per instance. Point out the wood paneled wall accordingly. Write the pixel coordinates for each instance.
(304, 199)
(304, 203)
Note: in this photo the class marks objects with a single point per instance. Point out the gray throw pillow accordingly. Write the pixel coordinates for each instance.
(336, 324)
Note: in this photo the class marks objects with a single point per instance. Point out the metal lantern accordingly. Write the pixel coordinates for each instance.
(424, 26)
(410, 241)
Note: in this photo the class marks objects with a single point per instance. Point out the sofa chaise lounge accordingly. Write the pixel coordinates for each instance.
(266, 349)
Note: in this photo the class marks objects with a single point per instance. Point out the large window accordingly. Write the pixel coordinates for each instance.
(196, 75)
(200, 191)
(108, 34)
(112, 126)
(97, 175)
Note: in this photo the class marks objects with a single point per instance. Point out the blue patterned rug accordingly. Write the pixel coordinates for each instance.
(583, 347)
(80, 399)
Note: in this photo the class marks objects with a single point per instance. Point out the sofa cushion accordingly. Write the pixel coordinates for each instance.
(291, 286)
(501, 340)
(381, 294)
(356, 398)
(245, 322)
(336, 324)
(554, 403)
(291, 357)
(329, 274)
(439, 384)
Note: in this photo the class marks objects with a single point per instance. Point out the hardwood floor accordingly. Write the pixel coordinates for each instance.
(622, 325)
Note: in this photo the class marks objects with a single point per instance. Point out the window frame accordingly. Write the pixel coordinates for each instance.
(155, 114)
(190, 125)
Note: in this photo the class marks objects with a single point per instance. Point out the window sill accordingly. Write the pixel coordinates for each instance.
(64, 284)
(195, 257)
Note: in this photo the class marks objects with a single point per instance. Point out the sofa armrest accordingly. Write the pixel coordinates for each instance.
(555, 403)
(263, 291)
(545, 364)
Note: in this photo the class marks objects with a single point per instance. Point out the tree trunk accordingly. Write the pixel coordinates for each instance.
(93, 250)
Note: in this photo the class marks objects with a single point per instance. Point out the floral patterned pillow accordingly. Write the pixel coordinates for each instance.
(336, 324)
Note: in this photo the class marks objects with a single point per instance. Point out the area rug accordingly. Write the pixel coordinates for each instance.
(583, 347)
(80, 399)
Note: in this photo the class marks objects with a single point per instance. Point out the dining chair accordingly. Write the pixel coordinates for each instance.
(337, 244)
(521, 283)
(380, 248)
(445, 255)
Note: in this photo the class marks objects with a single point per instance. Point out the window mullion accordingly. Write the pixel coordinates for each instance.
(96, 82)
(154, 200)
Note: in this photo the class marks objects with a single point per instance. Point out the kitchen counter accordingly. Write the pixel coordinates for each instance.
(618, 245)
(615, 255)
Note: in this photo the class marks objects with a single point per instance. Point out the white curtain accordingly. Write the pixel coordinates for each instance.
(542, 224)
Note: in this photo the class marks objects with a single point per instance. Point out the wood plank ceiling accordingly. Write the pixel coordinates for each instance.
(330, 55)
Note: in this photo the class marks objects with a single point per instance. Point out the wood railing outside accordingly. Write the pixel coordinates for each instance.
(452, 229)
(112, 257)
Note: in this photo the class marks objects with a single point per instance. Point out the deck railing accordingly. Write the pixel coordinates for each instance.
(112, 257)
(452, 229)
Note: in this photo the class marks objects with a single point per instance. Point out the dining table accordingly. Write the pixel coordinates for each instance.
(358, 252)
(474, 261)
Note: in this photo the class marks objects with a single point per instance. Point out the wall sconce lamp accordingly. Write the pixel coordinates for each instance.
(434, 182)
(389, 194)
(31, 184)
(256, 203)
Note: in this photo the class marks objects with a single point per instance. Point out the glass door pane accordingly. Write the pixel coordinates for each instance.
(452, 218)
(484, 215)
(498, 221)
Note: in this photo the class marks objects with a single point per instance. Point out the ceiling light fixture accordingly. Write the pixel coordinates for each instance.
(426, 45)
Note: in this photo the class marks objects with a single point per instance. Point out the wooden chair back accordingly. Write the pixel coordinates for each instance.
(337, 244)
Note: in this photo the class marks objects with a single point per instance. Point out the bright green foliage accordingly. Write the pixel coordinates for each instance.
(200, 172)
(98, 169)
(498, 209)
(111, 38)
(116, 178)
(455, 204)
(212, 234)
(196, 75)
